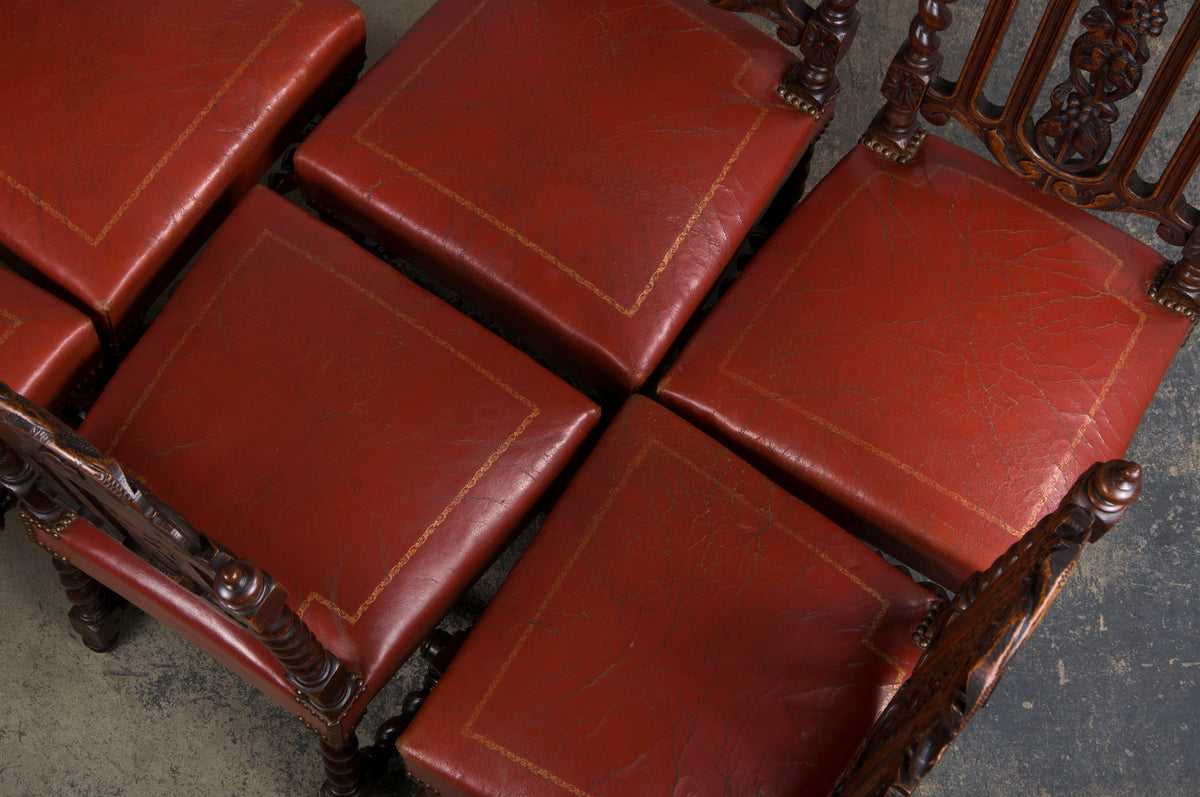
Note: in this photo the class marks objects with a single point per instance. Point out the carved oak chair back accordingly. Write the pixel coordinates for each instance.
(60, 476)
(1076, 146)
(972, 638)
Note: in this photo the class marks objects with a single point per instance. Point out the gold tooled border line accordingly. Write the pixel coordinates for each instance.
(1038, 509)
(95, 240)
(534, 411)
(16, 324)
(626, 310)
(468, 730)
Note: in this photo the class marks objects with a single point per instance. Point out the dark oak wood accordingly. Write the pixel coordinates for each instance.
(971, 639)
(1071, 147)
(821, 35)
(96, 610)
(58, 477)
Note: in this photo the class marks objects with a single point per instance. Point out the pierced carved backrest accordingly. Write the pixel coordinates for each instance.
(1083, 140)
(58, 476)
(972, 638)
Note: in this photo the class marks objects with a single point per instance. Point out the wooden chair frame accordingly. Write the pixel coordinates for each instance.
(1068, 150)
(59, 477)
(971, 638)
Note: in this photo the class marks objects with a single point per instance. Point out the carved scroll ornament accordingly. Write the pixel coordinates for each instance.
(789, 18)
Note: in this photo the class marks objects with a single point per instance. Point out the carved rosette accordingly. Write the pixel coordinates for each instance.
(827, 37)
(1106, 66)
(903, 88)
(821, 47)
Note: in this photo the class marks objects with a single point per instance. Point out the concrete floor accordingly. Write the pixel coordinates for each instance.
(1102, 701)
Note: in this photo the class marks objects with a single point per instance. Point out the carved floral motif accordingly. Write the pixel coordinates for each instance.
(821, 47)
(903, 88)
(1106, 66)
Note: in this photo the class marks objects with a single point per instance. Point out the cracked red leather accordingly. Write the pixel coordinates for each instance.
(358, 439)
(679, 625)
(126, 127)
(582, 173)
(938, 347)
(45, 344)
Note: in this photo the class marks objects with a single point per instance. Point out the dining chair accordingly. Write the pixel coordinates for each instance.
(580, 174)
(934, 345)
(680, 625)
(300, 467)
(129, 130)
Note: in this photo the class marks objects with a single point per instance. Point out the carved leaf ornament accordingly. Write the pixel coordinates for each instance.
(1106, 66)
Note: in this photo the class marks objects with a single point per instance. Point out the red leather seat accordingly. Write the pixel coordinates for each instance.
(355, 437)
(678, 626)
(947, 336)
(45, 345)
(130, 130)
(583, 174)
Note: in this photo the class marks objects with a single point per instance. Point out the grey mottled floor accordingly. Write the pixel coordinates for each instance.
(1103, 701)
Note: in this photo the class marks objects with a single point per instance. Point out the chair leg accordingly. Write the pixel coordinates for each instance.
(343, 768)
(96, 611)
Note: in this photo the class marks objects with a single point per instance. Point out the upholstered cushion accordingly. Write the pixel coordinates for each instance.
(678, 626)
(45, 345)
(357, 438)
(937, 346)
(583, 173)
(126, 127)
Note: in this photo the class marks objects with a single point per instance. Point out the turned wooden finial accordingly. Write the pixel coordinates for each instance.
(1107, 490)
(240, 585)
